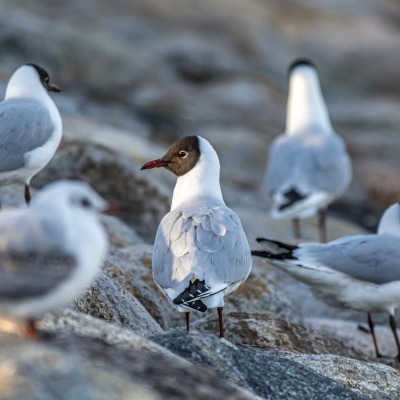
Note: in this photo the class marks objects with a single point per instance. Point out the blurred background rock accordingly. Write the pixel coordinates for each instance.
(136, 75)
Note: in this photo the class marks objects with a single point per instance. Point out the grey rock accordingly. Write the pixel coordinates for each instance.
(266, 331)
(375, 380)
(106, 300)
(267, 375)
(68, 366)
(116, 177)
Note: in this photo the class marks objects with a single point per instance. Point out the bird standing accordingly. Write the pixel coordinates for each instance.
(308, 166)
(49, 252)
(360, 272)
(200, 252)
(30, 126)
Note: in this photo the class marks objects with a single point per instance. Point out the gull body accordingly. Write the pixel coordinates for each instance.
(30, 126)
(200, 252)
(51, 251)
(308, 166)
(360, 272)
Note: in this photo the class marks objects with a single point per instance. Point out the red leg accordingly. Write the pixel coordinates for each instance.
(396, 338)
(322, 225)
(372, 331)
(27, 195)
(296, 228)
(221, 322)
(187, 315)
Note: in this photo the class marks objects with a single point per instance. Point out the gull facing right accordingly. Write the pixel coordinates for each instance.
(200, 252)
(358, 272)
(308, 166)
(49, 252)
(30, 126)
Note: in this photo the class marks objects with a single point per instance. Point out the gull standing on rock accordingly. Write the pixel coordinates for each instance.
(49, 252)
(308, 166)
(30, 126)
(358, 272)
(200, 252)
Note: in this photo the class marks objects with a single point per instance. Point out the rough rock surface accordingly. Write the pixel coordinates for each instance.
(268, 376)
(137, 75)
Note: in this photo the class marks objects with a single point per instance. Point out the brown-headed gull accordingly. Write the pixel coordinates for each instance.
(357, 272)
(200, 251)
(49, 252)
(308, 166)
(30, 126)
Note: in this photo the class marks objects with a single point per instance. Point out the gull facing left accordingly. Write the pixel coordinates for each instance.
(49, 252)
(30, 126)
(359, 272)
(200, 251)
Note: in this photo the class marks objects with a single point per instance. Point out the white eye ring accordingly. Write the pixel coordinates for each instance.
(183, 154)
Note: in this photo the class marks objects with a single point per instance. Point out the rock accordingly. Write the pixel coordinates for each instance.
(371, 379)
(349, 332)
(119, 234)
(115, 177)
(269, 376)
(106, 300)
(70, 366)
(266, 331)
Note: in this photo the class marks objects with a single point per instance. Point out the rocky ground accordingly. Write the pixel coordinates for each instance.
(137, 75)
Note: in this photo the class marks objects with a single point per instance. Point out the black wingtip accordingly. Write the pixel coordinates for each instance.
(260, 239)
(259, 253)
(301, 61)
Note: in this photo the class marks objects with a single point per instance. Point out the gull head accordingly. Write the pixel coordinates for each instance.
(75, 195)
(28, 80)
(181, 157)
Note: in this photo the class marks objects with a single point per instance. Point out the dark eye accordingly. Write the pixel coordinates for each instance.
(46, 79)
(86, 203)
(183, 154)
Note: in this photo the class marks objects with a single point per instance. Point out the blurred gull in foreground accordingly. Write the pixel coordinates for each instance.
(200, 252)
(357, 272)
(30, 126)
(308, 166)
(50, 252)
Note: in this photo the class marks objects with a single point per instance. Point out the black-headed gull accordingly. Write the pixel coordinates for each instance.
(49, 252)
(200, 252)
(308, 166)
(357, 272)
(30, 126)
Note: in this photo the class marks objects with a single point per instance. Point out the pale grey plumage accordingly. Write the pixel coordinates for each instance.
(24, 126)
(27, 275)
(370, 258)
(205, 242)
(308, 163)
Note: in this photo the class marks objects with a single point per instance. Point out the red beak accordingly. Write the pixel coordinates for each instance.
(114, 208)
(155, 164)
(53, 88)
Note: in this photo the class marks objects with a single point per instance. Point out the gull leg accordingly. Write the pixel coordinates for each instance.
(396, 338)
(27, 195)
(187, 315)
(29, 330)
(372, 331)
(221, 322)
(322, 225)
(296, 228)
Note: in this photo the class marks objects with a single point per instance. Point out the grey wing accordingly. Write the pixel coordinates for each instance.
(325, 164)
(279, 170)
(309, 163)
(222, 255)
(27, 275)
(371, 258)
(24, 126)
(206, 243)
